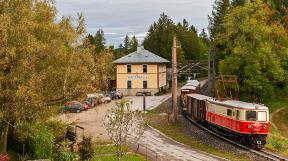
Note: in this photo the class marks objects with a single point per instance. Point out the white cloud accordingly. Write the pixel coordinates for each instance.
(133, 17)
(110, 33)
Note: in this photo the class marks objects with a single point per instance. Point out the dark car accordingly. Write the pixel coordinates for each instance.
(115, 94)
(112, 95)
(74, 106)
(92, 101)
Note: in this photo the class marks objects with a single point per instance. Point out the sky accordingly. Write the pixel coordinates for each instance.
(118, 18)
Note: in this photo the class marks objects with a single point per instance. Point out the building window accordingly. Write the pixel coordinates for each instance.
(145, 68)
(129, 68)
(129, 84)
(145, 84)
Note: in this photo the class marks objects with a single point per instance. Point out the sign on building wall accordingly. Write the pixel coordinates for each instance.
(137, 77)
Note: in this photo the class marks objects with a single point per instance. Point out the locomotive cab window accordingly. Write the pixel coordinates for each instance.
(251, 116)
(229, 112)
(262, 116)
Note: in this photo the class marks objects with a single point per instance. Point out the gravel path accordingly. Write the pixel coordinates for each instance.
(170, 150)
(151, 101)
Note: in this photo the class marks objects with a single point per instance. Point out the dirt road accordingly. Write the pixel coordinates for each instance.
(91, 120)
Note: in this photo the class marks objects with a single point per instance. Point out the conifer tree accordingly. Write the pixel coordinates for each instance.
(238, 2)
(133, 44)
(193, 29)
(90, 39)
(99, 41)
(160, 36)
(220, 9)
(216, 20)
(185, 23)
(204, 36)
(126, 44)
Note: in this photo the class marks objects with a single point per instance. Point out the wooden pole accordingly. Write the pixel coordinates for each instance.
(174, 80)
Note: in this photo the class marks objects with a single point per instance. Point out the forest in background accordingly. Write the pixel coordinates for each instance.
(249, 39)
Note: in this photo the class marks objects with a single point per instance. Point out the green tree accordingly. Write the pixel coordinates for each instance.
(160, 36)
(119, 52)
(238, 2)
(193, 28)
(204, 37)
(126, 44)
(256, 51)
(220, 9)
(40, 62)
(123, 124)
(90, 39)
(104, 69)
(99, 41)
(192, 45)
(133, 44)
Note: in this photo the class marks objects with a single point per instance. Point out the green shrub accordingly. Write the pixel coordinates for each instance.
(63, 153)
(86, 149)
(57, 127)
(38, 140)
(277, 144)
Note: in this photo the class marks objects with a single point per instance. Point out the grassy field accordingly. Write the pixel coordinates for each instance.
(107, 153)
(128, 157)
(178, 132)
(278, 136)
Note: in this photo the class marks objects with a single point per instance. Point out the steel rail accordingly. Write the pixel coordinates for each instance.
(263, 153)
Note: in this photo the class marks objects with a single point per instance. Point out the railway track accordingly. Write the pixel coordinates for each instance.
(263, 153)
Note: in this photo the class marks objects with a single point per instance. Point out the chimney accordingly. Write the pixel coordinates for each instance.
(139, 48)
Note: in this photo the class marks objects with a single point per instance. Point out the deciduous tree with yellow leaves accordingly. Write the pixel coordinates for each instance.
(41, 60)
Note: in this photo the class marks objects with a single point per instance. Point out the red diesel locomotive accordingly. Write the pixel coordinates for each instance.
(244, 122)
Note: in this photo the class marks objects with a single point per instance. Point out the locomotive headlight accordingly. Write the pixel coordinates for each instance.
(264, 127)
(249, 126)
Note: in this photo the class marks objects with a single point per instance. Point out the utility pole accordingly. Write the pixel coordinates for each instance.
(174, 80)
(211, 70)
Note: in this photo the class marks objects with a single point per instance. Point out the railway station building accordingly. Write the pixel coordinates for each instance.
(141, 71)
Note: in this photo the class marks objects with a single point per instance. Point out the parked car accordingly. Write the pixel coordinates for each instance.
(74, 106)
(115, 94)
(118, 94)
(105, 98)
(92, 101)
(112, 95)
